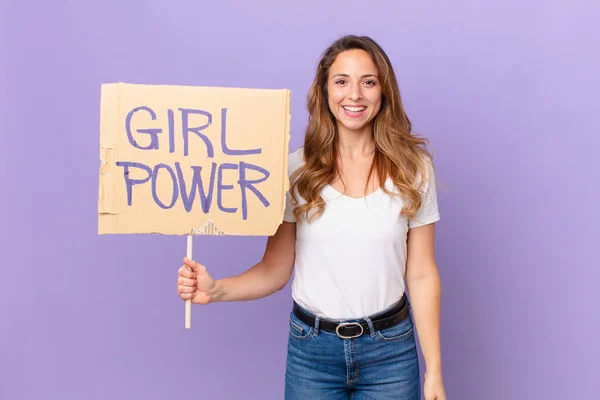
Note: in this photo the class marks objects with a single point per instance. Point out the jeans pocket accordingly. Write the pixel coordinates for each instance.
(401, 331)
(298, 329)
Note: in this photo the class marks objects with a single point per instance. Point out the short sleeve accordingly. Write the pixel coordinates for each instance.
(429, 212)
(295, 161)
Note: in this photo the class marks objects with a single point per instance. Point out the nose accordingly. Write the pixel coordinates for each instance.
(355, 93)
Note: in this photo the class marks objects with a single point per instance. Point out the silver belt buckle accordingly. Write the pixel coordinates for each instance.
(337, 330)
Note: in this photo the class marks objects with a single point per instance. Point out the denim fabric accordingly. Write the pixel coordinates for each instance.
(378, 365)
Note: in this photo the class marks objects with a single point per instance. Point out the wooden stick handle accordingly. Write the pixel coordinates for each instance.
(188, 303)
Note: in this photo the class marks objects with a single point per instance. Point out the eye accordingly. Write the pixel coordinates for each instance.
(340, 81)
(371, 82)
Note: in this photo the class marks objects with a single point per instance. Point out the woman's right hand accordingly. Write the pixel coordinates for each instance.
(195, 283)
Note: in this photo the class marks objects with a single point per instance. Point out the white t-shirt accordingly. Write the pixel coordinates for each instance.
(351, 260)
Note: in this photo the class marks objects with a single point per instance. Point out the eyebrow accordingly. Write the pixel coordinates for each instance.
(348, 76)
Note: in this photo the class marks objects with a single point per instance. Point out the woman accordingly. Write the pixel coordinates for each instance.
(359, 220)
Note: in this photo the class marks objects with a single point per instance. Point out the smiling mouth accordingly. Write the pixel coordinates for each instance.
(354, 108)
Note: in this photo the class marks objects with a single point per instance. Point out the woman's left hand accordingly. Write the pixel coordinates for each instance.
(433, 387)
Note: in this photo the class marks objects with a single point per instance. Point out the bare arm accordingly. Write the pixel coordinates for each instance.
(271, 274)
(424, 287)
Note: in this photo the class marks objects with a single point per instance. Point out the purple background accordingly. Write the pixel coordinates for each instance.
(506, 92)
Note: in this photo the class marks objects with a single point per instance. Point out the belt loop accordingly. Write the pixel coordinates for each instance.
(316, 327)
(371, 328)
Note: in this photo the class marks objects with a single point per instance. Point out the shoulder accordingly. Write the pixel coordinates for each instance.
(295, 160)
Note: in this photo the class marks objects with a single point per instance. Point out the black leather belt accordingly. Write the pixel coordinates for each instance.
(350, 330)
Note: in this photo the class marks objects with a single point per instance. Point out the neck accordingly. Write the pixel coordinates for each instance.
(355, 144)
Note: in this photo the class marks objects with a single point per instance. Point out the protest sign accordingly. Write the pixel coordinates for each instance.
(184, 160)
(192, 160)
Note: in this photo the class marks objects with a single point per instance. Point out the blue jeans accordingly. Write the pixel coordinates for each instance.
(377, 365)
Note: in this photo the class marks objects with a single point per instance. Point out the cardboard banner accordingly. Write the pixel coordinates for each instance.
(192, 160)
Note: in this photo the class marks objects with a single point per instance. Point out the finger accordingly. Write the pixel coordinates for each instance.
(199, 269)
(186, 289)
(187, 296)
(185, 272)
(193, 265)
(187, 282)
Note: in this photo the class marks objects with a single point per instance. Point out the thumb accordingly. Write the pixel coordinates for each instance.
(197, 268)
(192, 265)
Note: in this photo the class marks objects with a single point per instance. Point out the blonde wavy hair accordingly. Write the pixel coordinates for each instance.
(399, 153)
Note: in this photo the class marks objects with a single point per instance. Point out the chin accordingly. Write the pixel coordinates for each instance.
(355, 125)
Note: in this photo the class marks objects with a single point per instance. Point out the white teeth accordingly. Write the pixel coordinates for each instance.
(354, 109)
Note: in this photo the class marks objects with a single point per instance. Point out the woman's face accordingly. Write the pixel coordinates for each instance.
(354, 90)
